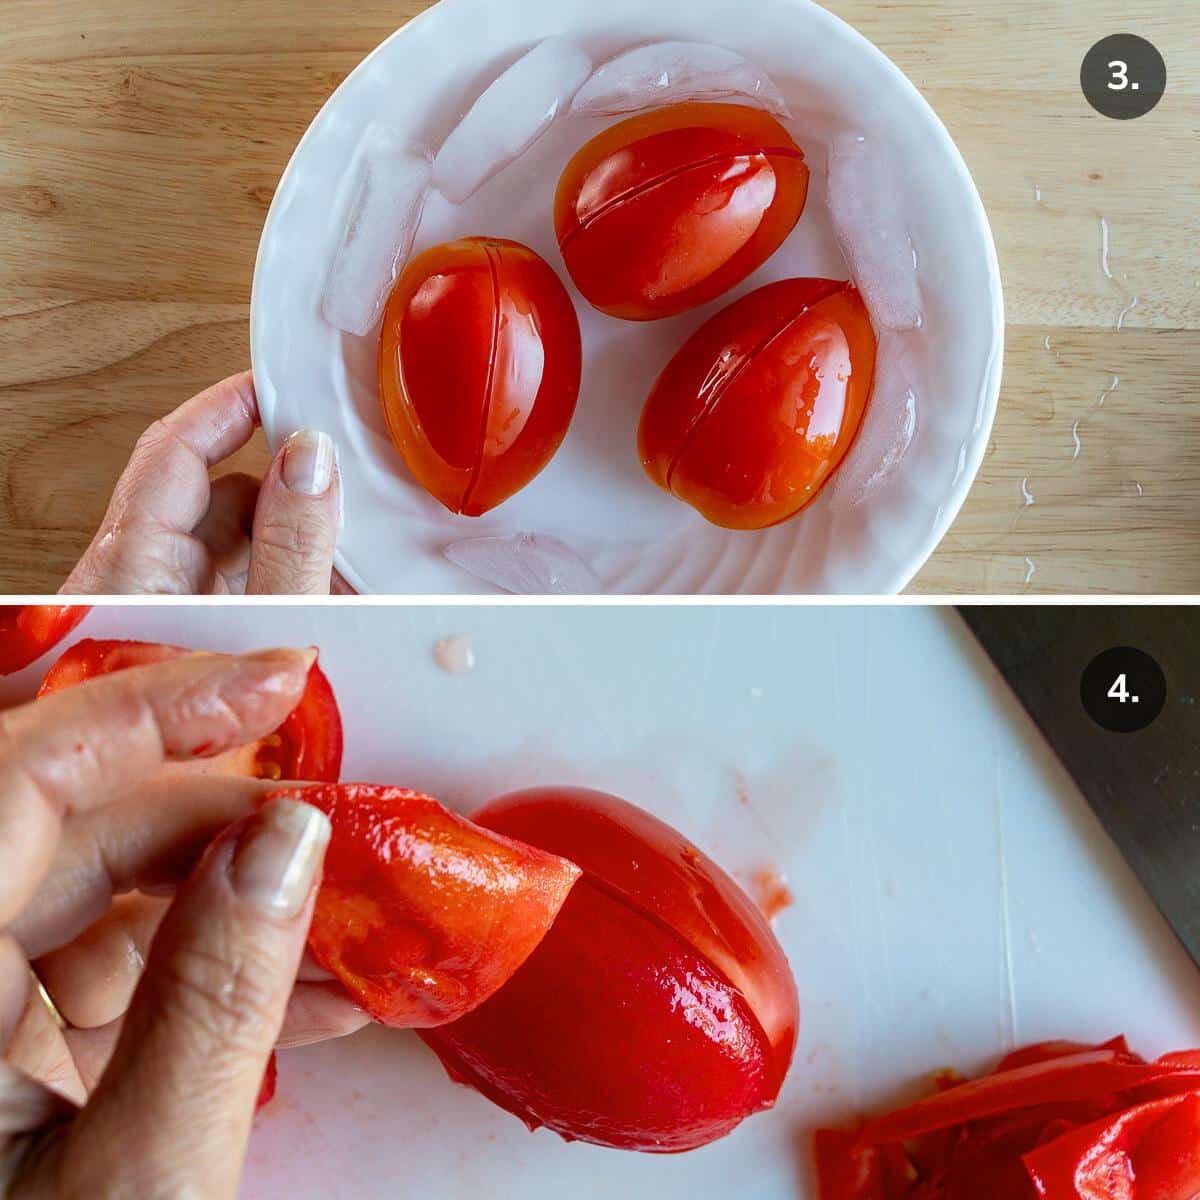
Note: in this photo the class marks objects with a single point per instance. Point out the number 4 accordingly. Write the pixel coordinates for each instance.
(1119, 691)
(1120, 81)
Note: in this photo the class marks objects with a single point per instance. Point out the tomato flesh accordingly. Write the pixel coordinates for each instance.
(27, 631)
(751, 419)
(308, 745)
(657, 1013)
(669, 210)
(422, 915)
(479, 369)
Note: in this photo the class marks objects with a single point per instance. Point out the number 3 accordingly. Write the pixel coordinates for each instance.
(1120, 79)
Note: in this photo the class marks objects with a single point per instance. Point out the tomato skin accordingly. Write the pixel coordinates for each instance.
(480, 362)
(309, 742)
(27, 631)
(657, 1013)
(669, 210)
(756, 412)
(422, 915)
(266, 1090)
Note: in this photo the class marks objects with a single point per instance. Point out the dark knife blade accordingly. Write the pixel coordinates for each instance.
(1144, 786)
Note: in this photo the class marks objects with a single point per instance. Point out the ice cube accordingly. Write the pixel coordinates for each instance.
(510, 116)
(526, 564)
(391, 184)
(888, 427)
(873, 236)
(673, 72)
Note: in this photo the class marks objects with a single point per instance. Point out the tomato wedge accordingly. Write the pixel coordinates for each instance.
(479, 369)
(751, 419)
(422, 915)
(27, 631)
(669, 210)
(308, 745)
(657, 1013)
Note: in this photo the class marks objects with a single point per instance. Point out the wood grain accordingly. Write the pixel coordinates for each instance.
(140, 142)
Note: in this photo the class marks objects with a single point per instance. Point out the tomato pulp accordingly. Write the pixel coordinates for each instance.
(422, 915)
(308, 745)
(27, 631)
(754, 415)
(669, 210)
(479, 368)
(657, 1013)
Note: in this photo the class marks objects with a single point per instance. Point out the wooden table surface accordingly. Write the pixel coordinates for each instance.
(140, 141)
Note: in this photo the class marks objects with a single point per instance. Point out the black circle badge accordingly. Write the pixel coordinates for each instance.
(1123, 689)
(1123, 76)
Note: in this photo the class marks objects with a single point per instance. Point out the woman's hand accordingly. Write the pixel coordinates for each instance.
(169, 530)
(172, 1007)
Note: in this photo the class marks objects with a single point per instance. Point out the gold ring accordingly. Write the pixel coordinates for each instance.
(51, 1007)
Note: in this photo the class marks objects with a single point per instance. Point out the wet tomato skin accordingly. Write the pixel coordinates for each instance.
(308, 745)
(756, 412)
(480, 361)
(657, 1013)
(421, 914)
(27, 631)
(671, 209)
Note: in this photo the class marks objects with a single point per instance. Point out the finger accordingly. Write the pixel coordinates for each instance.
(153, 838)
(92, 979)
(315, 1013)
(25, 1107)
(83, 747)
(39, 1049)
(144, 542)
(188, 1064)
(319, 1012)
(296, 522)
(15, 987)
(225, 528)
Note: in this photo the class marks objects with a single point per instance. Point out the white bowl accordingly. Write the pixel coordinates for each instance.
(594, 496)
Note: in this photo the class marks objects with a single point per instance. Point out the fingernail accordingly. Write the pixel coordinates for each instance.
(283, 657)
(278, 856)
(308, 462)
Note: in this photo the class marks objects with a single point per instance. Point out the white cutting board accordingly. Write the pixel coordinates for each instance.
(954, 896)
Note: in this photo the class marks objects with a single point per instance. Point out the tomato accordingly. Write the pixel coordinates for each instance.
(669, 210)
(479, 370)
(754, 415)
(27, 631)
(657, 1013)
(422, 915)
(266, 1090)
(308, 745)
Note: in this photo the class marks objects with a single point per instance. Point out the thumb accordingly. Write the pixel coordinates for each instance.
(296, 520)
(188, 1066)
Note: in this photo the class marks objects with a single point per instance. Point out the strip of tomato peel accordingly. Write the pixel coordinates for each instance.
(494, 262)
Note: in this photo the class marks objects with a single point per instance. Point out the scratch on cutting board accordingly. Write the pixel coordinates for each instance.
(1005, 905)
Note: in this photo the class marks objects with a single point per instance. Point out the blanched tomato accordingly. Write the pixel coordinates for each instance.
(479, 369)
(27, 631)
(752, 417)
(308, 745)
(422, 915)
(657, 1013)
(669, 210)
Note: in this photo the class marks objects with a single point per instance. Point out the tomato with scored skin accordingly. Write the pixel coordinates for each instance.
(308, 745)
(657, 1013)
(480, 362)
(421, 914)
(756, 412)
(669, 210)
(27, 631)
